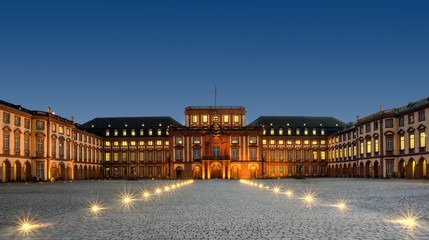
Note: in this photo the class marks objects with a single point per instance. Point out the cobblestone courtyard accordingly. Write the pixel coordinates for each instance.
(216, 209)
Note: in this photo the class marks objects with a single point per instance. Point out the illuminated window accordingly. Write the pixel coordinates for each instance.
(141, 143)
(194, 118)
(306, 142)
(361, 148)
(289, 142)
(322, 132)
(141, 132)
(323, 155)
(349, 149)
(236, 119)
(107, 143)
(376, 145)
(289, 131)
(225, 118)
(159, 132)
(281, 142)
(314, 131)
(68, 131)
(412, 141)
(158, 143)
(205, 118)
(314, 142)
(272, 142)
(197, 140)
(234, 139)
(150, 132)
(124, 132)
(297, 131)
(354, 150)
(115, 143)
(264, 142)
(124, 143)
(115, 132)
(133, 132)
(54, 127)
(167, 143)
(115, 156)
(107, 133)
(133, 143)
(272, 131)
(402, 143)
(422, 139)
(306, 131)
(368, 146)
(322, 142)
(264, 132)
(297, 142)
(61, 129)
(150, 143)
(124, 156)
(280, 131)
(166, 132)
(252, 140)
(141, 156)
(107, 157)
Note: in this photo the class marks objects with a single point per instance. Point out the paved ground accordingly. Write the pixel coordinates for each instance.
(216, 209)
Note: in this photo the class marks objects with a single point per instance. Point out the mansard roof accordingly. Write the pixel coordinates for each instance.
(130, 123)
(297, 121)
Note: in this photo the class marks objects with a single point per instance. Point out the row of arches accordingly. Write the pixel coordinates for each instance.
(371, 169)
(214, 171)
(17, 171)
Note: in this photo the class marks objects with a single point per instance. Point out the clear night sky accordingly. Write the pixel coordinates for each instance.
(136, 58)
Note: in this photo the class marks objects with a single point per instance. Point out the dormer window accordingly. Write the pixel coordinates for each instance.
(150, 132)
(297, 131)
(107, 133)
(280, 131)
(141, 132)
(159, 132)
(115, 132)
(133, 132)
(124, 132)
(272, 131)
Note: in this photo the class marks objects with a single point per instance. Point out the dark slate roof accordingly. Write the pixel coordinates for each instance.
(99, 126)
(17, 107)
(413, 106)
(297, 121)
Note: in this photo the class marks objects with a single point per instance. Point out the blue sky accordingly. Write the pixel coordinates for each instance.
(153, 58)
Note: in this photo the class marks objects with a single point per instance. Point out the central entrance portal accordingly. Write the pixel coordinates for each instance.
(216, 170)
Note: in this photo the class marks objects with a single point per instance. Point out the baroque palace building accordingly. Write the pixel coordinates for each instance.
(214, 142)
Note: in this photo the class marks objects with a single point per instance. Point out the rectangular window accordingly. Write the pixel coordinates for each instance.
(322, 132)
(234, 140)
(115, 156)
(421, 116)
(124, 132)
(375, 125)
(141, 143)
(158, 143)
(215, 152)
(179, 140)
(158, 171)
(39, 146)
(150, 132)
(368, 127)
(6, 142)
(17, 143)
(158, 156)
(272, 131)
(252, 140)
(226, 118)
(17, 121)
(289, 131)
(422, 139)
(236, 119)
(411, 118)
(289, 155)
(281, 155)
(150, 143)
(376, 145)
(298, 155)
(297, 131)
(234, 153)
(141, 156)
(133, 143)
(132, 156)
(159, 132)
(412, 141)
(361, 148)
(197, 140)
(272, 155)
(194, 118)
(280, 131)
(197, 154)
(252, 153)
(314, 155)
(150, 171)
(61, 129)
(179, 153)
(205, 118)
(27, 123)
(6, 117)
(368, 146)
(389, 123)
(124, 143)
(107, 157)
(61, 149)
(402, 143)
(40, 125)
(289, 170)
(281, 142)
(306, 131)
(141, 132)
(133, 132)
(389, 143)
(322, 155)
(314, 131)
(141, 171)
(306, 155)
(26, 144)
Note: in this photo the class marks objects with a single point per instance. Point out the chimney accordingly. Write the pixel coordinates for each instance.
(381, 108)
(72, 118)
(49, 109)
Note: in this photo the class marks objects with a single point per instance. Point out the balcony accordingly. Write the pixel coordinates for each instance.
(226, 157)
